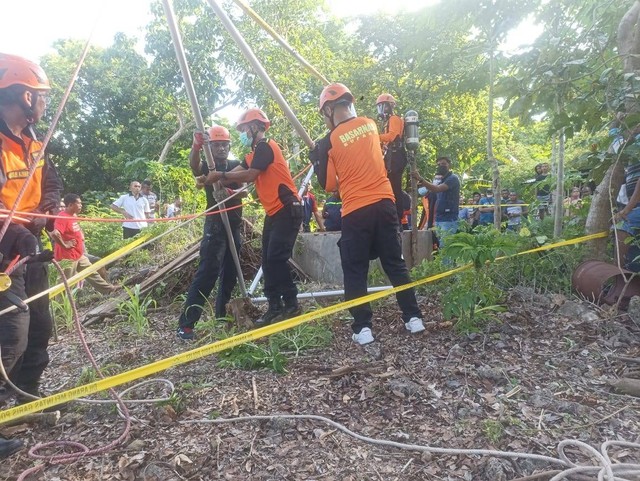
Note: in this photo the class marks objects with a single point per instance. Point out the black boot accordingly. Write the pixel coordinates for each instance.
(273, 314)
(34, 390)
(291, 308)
(9, 446)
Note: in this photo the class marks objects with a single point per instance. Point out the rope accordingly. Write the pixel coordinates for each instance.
(604, 468)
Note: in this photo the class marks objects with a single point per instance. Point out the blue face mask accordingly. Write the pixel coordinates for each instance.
(422, 191)
(245, 140)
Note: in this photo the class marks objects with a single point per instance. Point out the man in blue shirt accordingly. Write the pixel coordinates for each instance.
(447, 196)
(486, 213)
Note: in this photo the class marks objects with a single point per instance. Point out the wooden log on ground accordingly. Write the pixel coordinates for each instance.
(110, 307)
(627, 386)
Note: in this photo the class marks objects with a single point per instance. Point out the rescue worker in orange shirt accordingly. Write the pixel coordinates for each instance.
(392, 140)
(24, 334)
(267, 167)
(349, 158)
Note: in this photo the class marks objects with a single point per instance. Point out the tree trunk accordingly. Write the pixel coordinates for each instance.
(497, 211)
(601, 211)
(629, 38)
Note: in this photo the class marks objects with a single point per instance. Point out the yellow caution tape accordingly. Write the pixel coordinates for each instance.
(203, 351)
(57, 289)
(83, 274)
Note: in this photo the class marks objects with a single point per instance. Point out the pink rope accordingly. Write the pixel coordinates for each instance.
(81, 450)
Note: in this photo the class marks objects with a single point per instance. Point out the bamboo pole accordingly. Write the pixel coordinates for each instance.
(252, 13)
(186, 74)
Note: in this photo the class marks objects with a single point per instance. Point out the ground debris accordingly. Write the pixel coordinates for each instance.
(522, 384)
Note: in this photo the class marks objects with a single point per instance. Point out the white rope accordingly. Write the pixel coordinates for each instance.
(605, 468)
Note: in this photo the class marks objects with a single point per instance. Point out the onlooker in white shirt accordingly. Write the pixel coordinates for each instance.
(133, 206)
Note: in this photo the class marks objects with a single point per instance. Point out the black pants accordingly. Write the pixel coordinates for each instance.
(24, 337)
(128, 232)
(216, 262)
(278, 238)
(368, 233)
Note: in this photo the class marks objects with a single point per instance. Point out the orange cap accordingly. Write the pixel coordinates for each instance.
(385, 98)
(16, 70)
(218, 133)
(334, 92)
(251, 115)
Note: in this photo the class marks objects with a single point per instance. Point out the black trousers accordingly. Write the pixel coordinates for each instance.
(24, 337)
(368, 233)
(216, 262)
(278, 238)
(128, 232)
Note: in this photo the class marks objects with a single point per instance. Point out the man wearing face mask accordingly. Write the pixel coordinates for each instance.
(267, 167)
(216, 260)
(392, 140)
(447, 196)
(349, 158)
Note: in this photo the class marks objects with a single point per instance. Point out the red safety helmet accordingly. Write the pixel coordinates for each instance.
(16, 70)
(386, 98)
(251, 115)
(333, 92)
(218, 133)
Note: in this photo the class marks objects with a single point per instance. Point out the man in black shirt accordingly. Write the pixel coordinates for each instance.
(216, 260)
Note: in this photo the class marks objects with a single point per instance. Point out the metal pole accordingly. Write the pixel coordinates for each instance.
(313, 295)
(252, 13)
(414, 209)
(259, 69)
(188, 82)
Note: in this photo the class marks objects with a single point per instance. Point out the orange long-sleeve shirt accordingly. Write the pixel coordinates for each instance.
(393, 129)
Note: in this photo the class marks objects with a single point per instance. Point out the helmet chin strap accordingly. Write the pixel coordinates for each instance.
(28, 109)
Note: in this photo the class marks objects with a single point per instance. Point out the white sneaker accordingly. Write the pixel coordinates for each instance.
(364, 336)
(414, 325)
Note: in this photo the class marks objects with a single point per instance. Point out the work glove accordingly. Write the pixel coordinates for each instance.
(18, 241)
(199, 139)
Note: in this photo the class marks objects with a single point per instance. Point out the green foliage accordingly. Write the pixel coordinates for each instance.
(548, 271)
(493, 430)
(176, 401)
(479, 248)
(62, 309)
(102, 238)
(89, 374)
(270, 353)
(474, 297)
(135, 309)
(255, 356)
(306, 336)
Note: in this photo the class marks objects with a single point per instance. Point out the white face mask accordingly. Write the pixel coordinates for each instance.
(352, 110)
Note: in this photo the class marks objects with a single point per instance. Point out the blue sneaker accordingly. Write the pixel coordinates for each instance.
(186, 333)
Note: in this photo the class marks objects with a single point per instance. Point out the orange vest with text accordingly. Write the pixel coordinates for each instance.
(356, 160)
(16, 160)
(269, 181)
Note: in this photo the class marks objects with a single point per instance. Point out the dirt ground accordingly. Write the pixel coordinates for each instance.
(522, 384)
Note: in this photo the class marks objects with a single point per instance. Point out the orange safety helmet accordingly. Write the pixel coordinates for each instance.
(218, 133)
(335, 91)
(385, 98)
(16, 70)
(251, 115)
